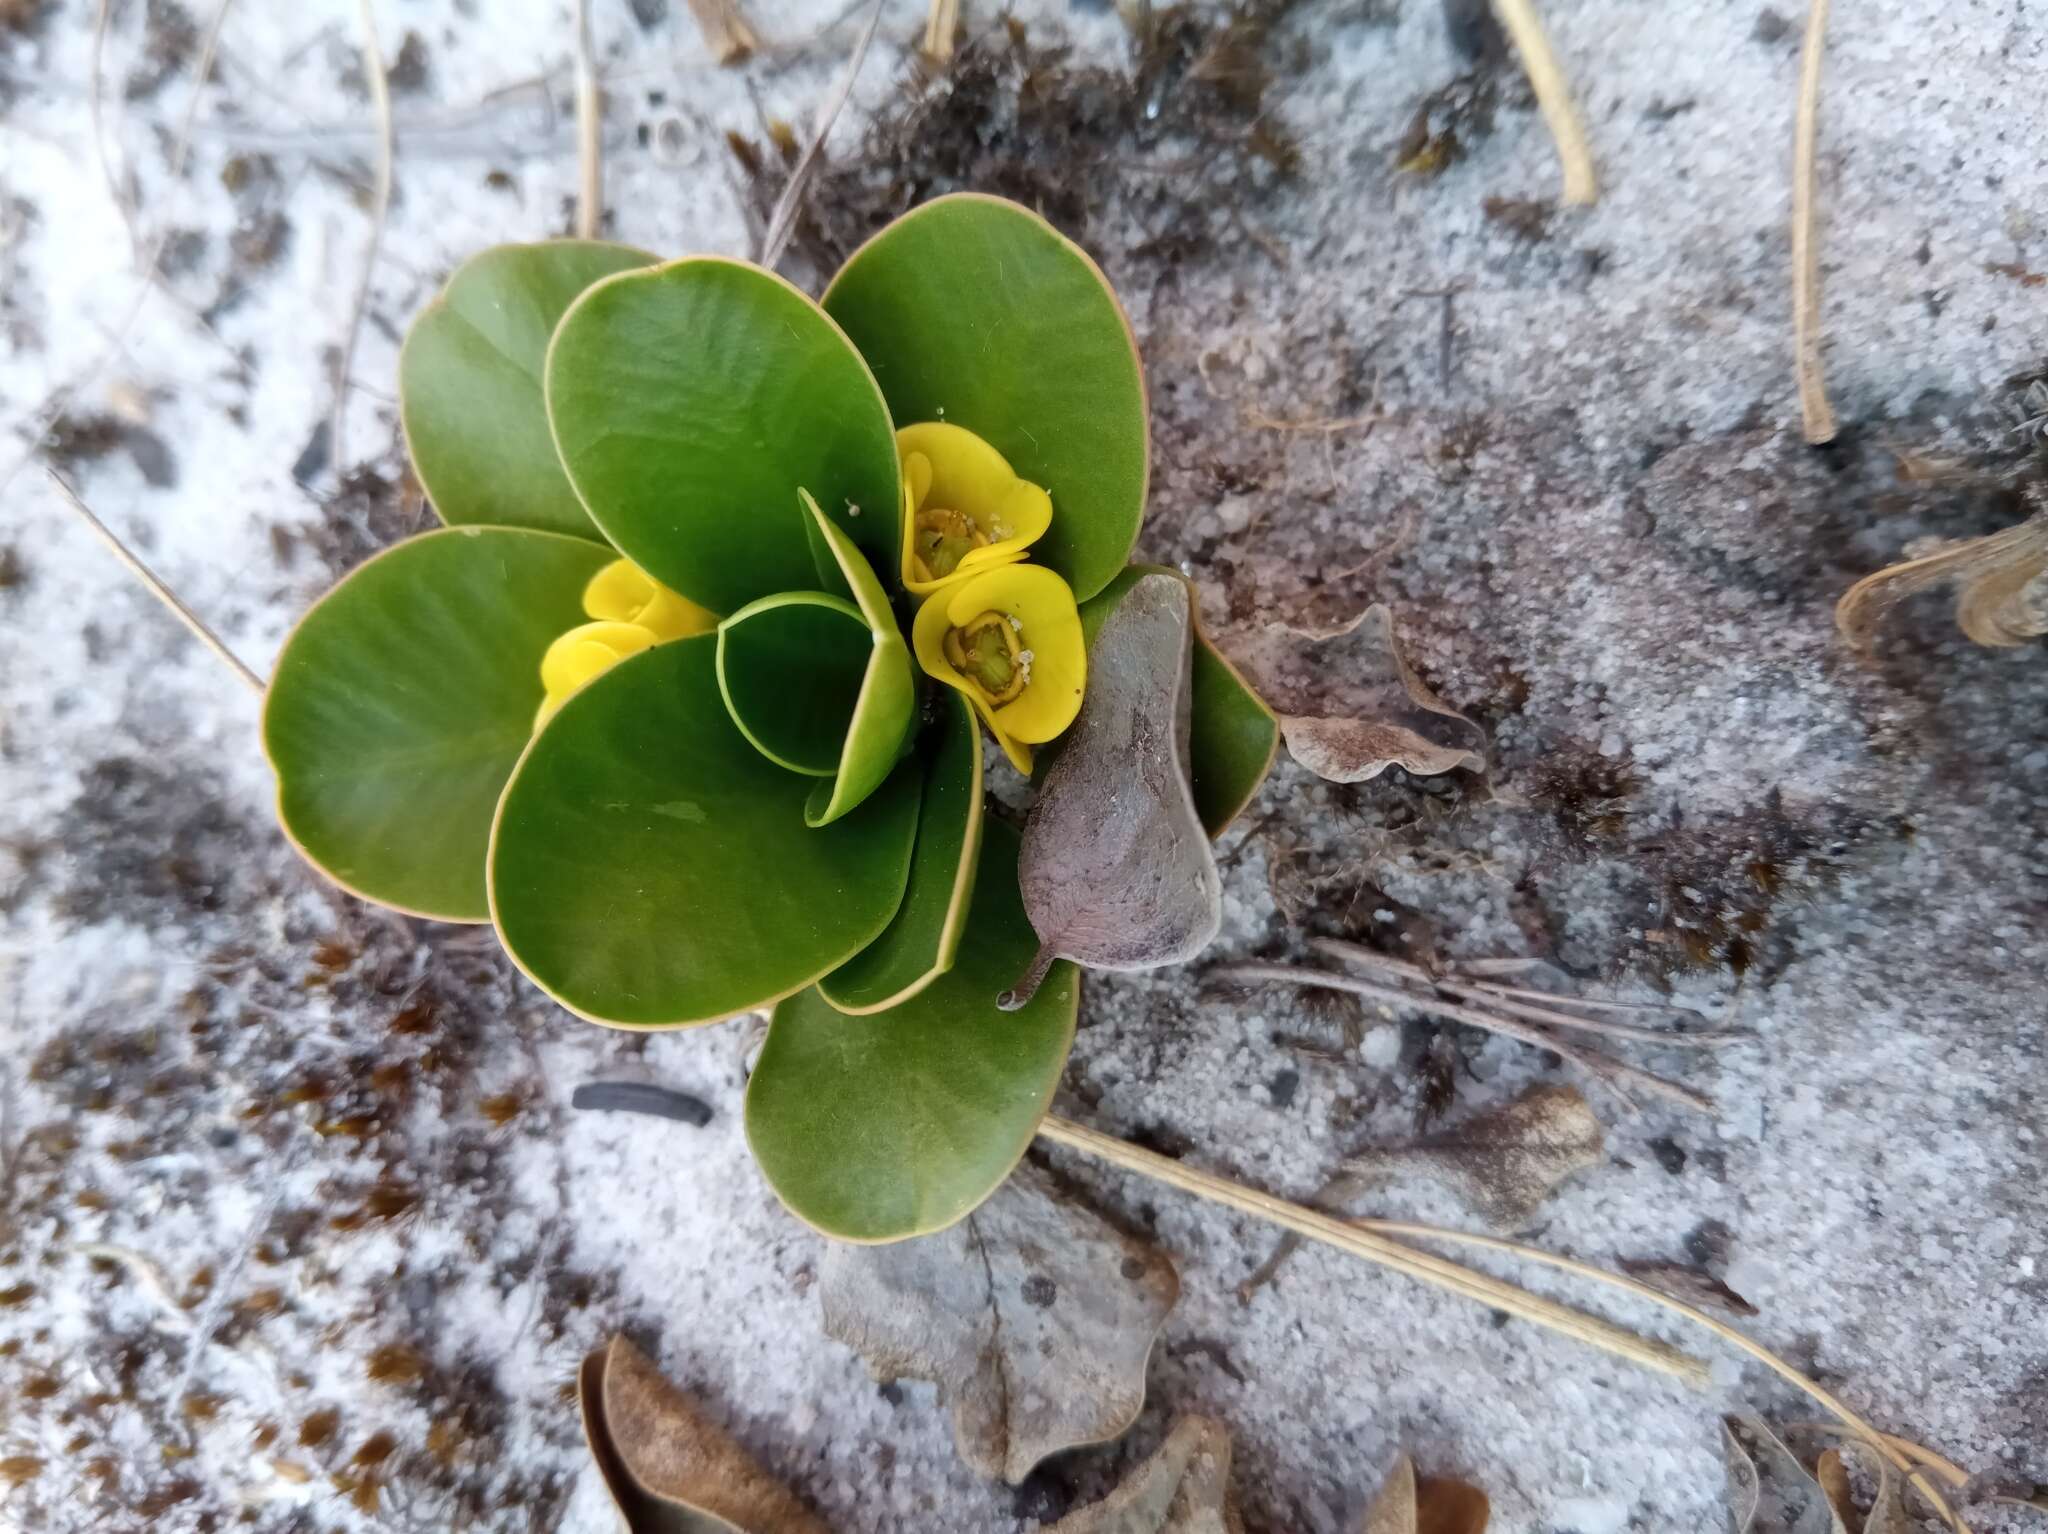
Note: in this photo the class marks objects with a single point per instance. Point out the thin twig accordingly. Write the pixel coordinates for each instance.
(1346, 1237)
(1553, 95)
(95, 103)
(1510, 1000)
(589, 131)
(1818, 414)
(1617, 1075)
(163, 593)
(782, 222)
(380, 101)
(1895, 1451)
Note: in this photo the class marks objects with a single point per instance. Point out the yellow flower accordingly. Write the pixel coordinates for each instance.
(633, 612)
(964, 508)
(1010, 639)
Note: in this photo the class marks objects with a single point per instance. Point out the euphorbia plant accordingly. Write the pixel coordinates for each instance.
(687, 696)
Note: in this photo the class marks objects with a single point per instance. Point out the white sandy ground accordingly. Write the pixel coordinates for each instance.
(1597, 527)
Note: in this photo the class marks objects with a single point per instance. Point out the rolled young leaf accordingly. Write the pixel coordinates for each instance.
(885, 712)
(469, 384)
(877, 1128)
(649, 868)
(689, 402)
(790, 669)
(977, 312)
(1232, 735)
(404, 697)
(920, 944)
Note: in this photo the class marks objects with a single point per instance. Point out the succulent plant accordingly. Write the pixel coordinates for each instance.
(686, 695)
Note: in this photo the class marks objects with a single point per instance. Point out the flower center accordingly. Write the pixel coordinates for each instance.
(986, 651)
(942, 539)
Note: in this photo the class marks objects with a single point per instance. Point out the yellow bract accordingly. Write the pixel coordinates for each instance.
(964, 508)
(634, 612)
(1025, 683)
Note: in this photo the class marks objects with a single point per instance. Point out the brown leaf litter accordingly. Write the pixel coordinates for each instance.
(1350, 704)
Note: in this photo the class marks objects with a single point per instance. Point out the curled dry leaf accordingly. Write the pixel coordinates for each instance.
(1033, 1316)
(1116, 869)
(1414, 1504)
(670, 1469)
(1184, 1488)
(1769, 1491)
(1887, 1511)
(1504, 1162)
(2001, 586)
(1351, 705)
(1696, 1286)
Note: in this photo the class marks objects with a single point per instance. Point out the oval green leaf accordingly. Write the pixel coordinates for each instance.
(975, 311)
(880, 1128)
(649, 869)
(690, 402)
(403, 698)
(1232, 734)
(921, 943)
(790, 669)
(469, 384)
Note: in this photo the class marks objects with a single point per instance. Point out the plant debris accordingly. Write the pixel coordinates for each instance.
(1116, 870)
(1694, 1285)
(670, 1469)
(642, 1097)
(1769, 1491)
(1414, 1504)
(1445, 121)
(1033, 1316)
(1503, 1163)
(1184, 1488)
(1391, 718)
(2001, 583)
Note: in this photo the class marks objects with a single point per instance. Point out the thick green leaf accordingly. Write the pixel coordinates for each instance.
(690, 402)
(1232, 736)
(886, 711)
(469, 384)
(790, 669)
(877, 1128)
(401, 701)
(920, 944)
(976, 311)
(648, 868)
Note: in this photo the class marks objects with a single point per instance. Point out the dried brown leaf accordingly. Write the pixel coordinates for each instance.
(1351, 705)
(1033, 1316)
(1116, 869)
(670, 1469)
(1413, 1504)
(2001, 581)
(1887, 1512)
(1504, 1163)
(1184, 1488)
(1769, 1491)
(1696, 1286)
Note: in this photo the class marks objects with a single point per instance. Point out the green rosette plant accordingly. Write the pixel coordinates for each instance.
(686, 695)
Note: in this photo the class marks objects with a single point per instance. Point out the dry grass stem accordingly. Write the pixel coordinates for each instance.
(1818, 414)
(589, 131)
(940, 28)
(1616, 1075)
(1553, 95)
(155, 586)
(1347, 1237)
(782, 222)
(380, 208)
(1535, 1006)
